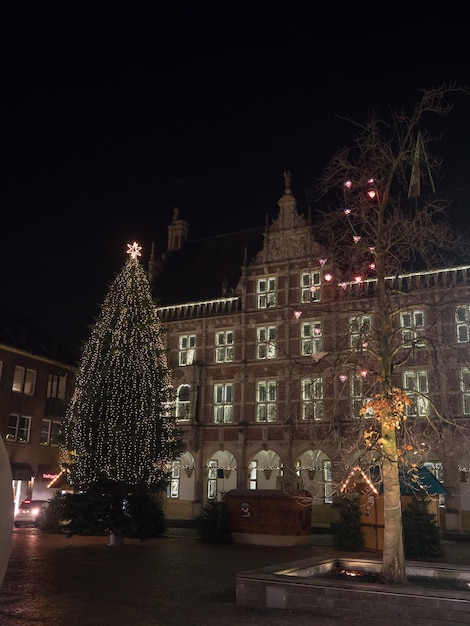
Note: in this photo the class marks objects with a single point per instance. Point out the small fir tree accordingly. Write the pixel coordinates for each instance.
(348, 535)
(422, 536)
(118, 428)
(215, 524)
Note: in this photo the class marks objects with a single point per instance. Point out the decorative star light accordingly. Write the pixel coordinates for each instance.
(356, 238)
(134, 250)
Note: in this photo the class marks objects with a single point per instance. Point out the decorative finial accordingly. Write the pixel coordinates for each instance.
(287, 181)
(134, 250)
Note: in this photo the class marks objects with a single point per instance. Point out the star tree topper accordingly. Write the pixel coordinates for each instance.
(134, 250)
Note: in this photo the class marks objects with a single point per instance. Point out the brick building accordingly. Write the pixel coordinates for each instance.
(36, 382)
(253, 320)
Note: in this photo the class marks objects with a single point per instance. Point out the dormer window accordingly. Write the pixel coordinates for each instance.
(266, 292)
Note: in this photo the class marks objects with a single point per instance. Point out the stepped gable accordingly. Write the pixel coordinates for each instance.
(206, 269)
(22, 332)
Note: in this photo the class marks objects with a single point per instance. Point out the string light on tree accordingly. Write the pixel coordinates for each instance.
(118, 426)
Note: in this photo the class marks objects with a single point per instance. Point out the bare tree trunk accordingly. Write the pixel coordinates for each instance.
(393, 559)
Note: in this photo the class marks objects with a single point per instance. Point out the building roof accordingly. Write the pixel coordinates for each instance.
(206, 269)
(21, 332)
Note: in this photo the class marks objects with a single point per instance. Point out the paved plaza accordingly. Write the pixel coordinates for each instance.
(52, 580)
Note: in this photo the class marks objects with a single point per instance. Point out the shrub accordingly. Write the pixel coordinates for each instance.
(214, 525)
(348, 535)
(105, 508)
(420, 530)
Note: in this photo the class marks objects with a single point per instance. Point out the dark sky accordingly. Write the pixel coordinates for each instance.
(115, 112)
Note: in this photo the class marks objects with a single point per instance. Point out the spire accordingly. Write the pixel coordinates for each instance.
(414, 189)
(288, 182)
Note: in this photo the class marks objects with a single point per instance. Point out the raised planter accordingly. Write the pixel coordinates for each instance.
(305, 586)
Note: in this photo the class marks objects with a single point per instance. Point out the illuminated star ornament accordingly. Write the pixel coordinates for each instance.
(134, 250)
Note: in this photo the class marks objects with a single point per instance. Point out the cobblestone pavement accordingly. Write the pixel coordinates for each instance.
(52, 580)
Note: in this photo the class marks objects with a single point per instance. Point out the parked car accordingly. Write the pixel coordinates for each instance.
(30, 513)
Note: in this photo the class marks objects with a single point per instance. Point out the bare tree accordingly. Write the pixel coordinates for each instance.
(374, 234)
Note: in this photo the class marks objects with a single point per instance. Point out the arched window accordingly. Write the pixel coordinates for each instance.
(182, 402)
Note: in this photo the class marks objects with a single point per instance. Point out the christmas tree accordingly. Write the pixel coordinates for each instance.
(118, 426)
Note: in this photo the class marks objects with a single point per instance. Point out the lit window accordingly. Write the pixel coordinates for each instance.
(327, 482)
(24, 380)
(359, 331)
(465, 387)
(312, 399)
(18, 429)
(224, 347)
(266, 342)
(223, 403)
(416, 387)
(175, 479)
(253, 475)
(183, 397)
(187, 349)
(266, 293)
(412, 324)
(266, 401)
(462, 320)
(311, 338)
(437, 470)
(360, 397)
(49, 433)
(56, 385)
(212, 473)
(310, 286)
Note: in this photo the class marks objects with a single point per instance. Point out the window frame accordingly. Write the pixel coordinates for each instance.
(24, 380)
(311, 343)
(183, 403)
(52, 432)
(312, 404)
(266, 348)
(266, 401)
(224, 350)
(186, 350)
(417, 395)
(462, 324)
(17, 428)
(266, 292)
(223, 403)
(359, 331)
(413, 333)
(310, 286)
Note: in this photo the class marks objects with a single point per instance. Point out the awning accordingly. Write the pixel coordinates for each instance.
(21, 471)
(412, 483)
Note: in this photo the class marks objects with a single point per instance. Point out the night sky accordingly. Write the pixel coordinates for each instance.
(115, 112)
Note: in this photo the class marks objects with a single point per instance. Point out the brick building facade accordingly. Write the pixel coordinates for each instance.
(36, 382)
(253, 322)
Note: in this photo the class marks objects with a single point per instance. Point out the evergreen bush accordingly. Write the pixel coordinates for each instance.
(214, 525)
(348, 535)
(420, 530)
